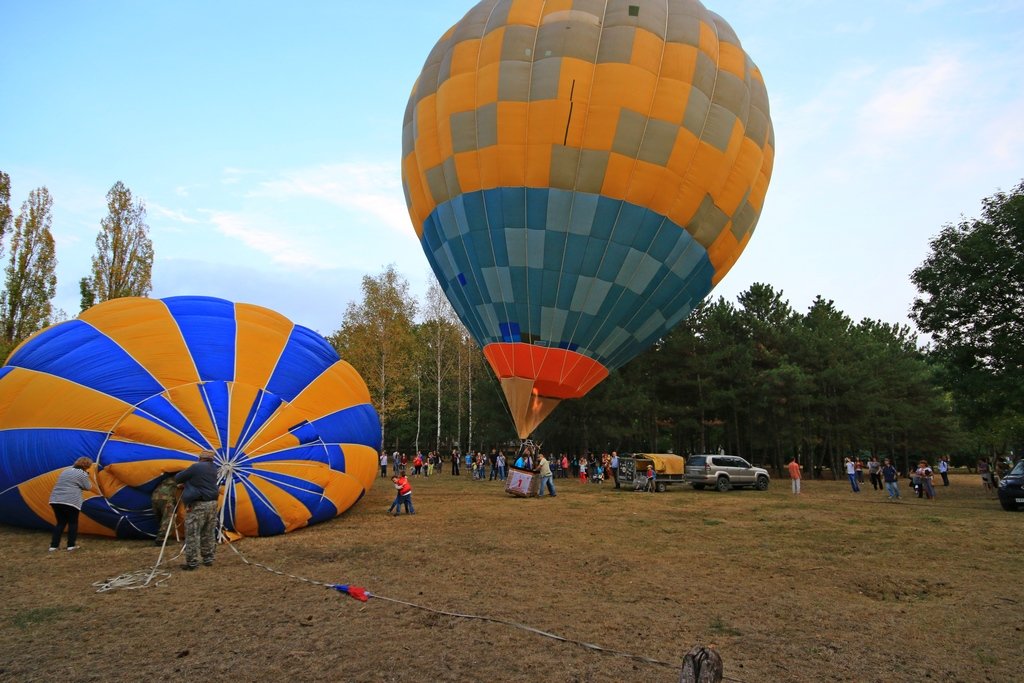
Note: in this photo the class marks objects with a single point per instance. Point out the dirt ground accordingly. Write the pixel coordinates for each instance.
(830, 586)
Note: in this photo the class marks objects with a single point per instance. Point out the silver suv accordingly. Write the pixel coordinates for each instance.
(724, 472)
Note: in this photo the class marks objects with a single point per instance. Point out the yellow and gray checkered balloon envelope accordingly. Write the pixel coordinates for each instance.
(581, 173)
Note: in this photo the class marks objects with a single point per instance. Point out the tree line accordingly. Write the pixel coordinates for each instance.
(121, 266)
(755, 379)
(752, 377)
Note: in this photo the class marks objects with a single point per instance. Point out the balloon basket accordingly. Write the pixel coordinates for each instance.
(521, 483)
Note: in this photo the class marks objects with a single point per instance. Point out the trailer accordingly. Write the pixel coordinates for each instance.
(668, 469)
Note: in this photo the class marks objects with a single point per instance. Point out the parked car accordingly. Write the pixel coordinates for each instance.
(724, 472)
(1011, 488)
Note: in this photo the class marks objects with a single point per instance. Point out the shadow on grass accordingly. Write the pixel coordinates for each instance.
(719, 627)
(41, 615)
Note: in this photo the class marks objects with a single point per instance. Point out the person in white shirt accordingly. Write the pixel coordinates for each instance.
(851, 472)
(944, 469)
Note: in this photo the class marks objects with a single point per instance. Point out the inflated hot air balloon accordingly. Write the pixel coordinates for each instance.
(142, 386)
(581, 173)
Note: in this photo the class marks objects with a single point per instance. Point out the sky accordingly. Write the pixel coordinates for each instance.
(265, 138)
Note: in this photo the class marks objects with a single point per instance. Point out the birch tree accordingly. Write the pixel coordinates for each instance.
(442, 342)
(376, 337)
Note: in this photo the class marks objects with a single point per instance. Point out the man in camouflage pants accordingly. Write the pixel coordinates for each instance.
(200, 499)
(163, 506)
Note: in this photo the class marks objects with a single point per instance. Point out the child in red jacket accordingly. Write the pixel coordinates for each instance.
(403, 495)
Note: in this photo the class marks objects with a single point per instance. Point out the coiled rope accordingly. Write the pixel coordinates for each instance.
(144, 578)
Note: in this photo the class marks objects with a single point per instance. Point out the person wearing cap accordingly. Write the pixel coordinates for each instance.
(199, 496)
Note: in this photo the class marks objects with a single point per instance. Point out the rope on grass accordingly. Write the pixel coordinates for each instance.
(277, 571)
(364, 595)
(143, 578)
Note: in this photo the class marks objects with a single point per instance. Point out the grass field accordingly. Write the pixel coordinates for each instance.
(830, 586)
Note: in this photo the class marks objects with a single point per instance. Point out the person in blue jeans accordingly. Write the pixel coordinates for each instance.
(652, 480)
(891, 478)
(544, 471)
(403, 495)
(851, 472)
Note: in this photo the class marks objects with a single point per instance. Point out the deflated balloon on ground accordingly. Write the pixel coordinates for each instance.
(142, 386)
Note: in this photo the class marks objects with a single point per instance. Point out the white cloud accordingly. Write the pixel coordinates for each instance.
(170, 214)
(314, 299)
(914, 102)
(321, 218)
(823, 116)
(372, 189)
(279, 242)
(233, 175)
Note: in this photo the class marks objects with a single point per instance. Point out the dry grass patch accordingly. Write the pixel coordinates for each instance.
(829, 586)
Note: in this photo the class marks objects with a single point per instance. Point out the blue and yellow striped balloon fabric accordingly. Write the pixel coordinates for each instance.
(142, 386)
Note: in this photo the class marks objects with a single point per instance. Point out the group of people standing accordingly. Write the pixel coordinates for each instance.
(595, 468)
(883, 476)
(419, 465)
(592, 468)
(494, 466)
